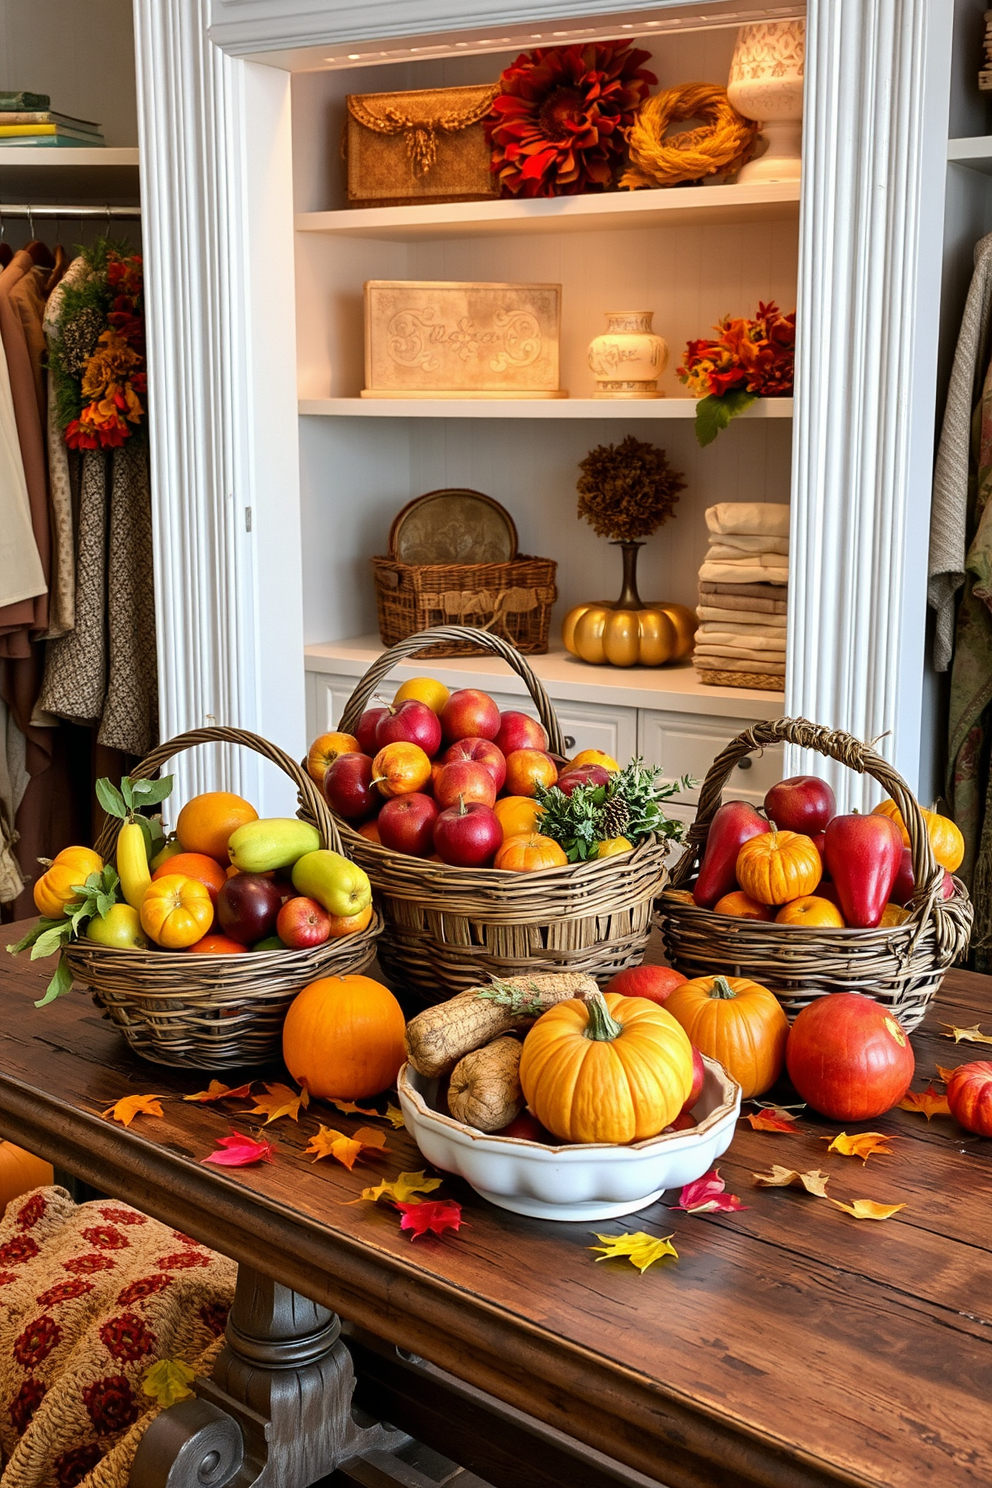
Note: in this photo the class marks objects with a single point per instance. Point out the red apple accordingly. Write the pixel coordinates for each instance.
(406, 824)
(467, 835)
(466, 781)
(366, 727)
(698, 1076)
(818, 840)
(483, 752)
(529, 1128)
(582, 775)
(656, 983)
(302, 923)
(803, 803)
(905, 885)
(684, 1121)
(348, 787)
(518, 731)
(248, 906)
(469, 714)
(526, 769)
(410, 723)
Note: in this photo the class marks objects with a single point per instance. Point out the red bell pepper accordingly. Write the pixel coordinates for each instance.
(863, 855)
(733, 824)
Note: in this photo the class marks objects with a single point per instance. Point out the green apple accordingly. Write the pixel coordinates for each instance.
(120, 927)
(338, 884)
(170, 849)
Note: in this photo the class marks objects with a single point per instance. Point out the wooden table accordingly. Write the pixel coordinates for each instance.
(788, 1345)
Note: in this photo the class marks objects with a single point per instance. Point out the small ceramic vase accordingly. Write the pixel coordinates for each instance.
(766, 83)
(628, 358)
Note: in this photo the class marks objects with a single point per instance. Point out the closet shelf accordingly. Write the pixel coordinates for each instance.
(975, 153)
(44, 174)
(664, 207)
(528, 408)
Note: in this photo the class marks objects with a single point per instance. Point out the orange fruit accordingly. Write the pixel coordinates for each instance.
(218, 945)
(594, 757)
(517, 814)
(205, 824)
(742, 907)
(423, 690)
(348, 924)
(812, 911)
(195, 865)
(370, 831)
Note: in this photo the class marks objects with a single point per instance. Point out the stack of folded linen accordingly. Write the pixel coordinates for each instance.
(743, 596)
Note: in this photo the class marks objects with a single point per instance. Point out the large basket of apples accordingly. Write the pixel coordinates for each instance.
(808, 902)
(196, 946)
(460, 816)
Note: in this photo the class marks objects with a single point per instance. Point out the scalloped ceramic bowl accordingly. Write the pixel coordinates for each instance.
(591, 1180)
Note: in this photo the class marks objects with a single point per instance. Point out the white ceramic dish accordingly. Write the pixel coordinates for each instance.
(595, 1180)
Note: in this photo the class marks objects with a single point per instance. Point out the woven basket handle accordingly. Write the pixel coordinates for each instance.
(307, 791)
(379, 670)
(833, 744)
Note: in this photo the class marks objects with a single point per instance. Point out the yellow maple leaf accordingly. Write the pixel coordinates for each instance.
(217, 1090)
(279, 1100)
(863, 1145)
(813, 1182)
(168, 1381)
(867, 1208)
(395, 1115)
(944, 1074)
(639, 1249)
(400, 1189)
(125, 1110)
(926, 1103)
(971, 1035)
(349, 1108)
(326, 1142)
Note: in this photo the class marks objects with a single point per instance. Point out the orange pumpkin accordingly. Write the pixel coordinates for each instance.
(53, 890)
(893, 914)
(606, 1069)
(741, 907)
(517, 814)
(20, 1171)
(344, 1038)
(775, 867)
(176, 911)
(529, 851)
(738, 1022)
(812, 912)
(946, 839)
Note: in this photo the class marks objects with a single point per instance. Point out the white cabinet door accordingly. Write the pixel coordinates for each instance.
(327, 696)
(588, 726)
(685, 745)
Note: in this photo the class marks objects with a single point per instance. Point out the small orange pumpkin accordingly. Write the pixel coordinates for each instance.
(738, 1022)
(607, 1068)
(775, 867)
(20, 1171)
(946, 838)
(344, 1038)
(812, 913)
(738, 905)
(893, 914)
(176, 911)
(529, 851)
(53, 894)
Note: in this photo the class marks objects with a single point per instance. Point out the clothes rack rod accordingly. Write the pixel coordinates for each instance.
(21, 209)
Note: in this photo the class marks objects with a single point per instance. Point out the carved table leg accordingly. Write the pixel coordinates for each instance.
(276, 1411)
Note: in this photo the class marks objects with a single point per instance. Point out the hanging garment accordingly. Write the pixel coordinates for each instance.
(75, 682)
(22, 578)
(13, 784)
(63, 476)
(951, 524)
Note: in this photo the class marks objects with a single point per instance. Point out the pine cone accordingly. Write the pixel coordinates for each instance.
(614, 819)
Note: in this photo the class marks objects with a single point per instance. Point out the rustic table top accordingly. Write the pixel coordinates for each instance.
(789, 1344)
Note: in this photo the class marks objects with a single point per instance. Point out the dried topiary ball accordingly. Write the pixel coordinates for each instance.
(627, 490)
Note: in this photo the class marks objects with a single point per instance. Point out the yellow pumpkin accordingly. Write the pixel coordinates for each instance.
(20, 1171)
(176, 911)
(53, 890)
(649, 635)
(737, 1022)
(946, 838)
(775, 867)
(606, 1069)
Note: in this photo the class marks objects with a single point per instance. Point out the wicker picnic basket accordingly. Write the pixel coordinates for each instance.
(901, 967)
(451, 928)
(214, 1012)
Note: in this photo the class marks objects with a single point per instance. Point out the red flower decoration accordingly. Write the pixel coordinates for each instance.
(36, 1342)
(6, 1277)
(124, 1216)
(127, 1338)
(183, 1260)
(20, 1248)
(757, 356)
(72, 1467)
(63, 1292)
(184, 1239)
(110, 1404)
(105, 1237)
(91, 1261)
(145, 1286)
(559, 125)
(25, 1403)
(31, 1212)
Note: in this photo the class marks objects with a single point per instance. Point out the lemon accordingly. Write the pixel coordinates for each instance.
(120, 928)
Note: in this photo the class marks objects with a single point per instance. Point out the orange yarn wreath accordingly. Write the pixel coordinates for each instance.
(722, 144)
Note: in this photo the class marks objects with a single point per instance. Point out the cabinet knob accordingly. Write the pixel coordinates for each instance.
(569, 741)
(744, 764)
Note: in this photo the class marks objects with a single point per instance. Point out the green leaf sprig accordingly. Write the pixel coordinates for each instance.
(581, 821)
(129, 803)
(97, 896)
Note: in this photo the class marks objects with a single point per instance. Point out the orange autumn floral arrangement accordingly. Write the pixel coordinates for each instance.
(749, 359)
(114, 378)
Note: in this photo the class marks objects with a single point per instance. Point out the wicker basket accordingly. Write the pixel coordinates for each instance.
(452, 928)
(511, 599)
(214, 1012)
(901, 967)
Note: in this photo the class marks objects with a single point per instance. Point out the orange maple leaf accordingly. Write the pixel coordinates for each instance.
(944, 1074)
(926, 1103)
(813, 1182)
(772, 1121)
(326, 1142)
(217, 1091)
(863, 1145)
(867, 1208)
(279, 1100)
(130, 1106)
(349, 1108)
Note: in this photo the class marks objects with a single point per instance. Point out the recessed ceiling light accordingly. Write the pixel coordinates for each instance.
(354, 56)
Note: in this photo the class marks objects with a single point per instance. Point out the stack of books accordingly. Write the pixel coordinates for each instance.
(26, 119)
(985, 76)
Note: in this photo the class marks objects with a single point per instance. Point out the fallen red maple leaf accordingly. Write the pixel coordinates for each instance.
(218, 1091)
(436, 1215)
(237, 1151)
(771, 1121)
(706, 1196)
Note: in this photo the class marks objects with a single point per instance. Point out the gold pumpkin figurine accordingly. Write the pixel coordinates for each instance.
(629, 632)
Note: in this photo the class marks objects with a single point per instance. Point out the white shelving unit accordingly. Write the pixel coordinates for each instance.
(974, 152)
(43, 174)
(528, 408)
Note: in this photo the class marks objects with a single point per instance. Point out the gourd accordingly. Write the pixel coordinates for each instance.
(969, 1095)
(946, 838)
(176, 911)
(439, 1036)
(527, 852)
(776, 867)
(606, 1069)
(848, 1057)
(629, 633)
(53, 890)
(737, 1022)
(20, 1171)
(343, 1038)
(484, 1090)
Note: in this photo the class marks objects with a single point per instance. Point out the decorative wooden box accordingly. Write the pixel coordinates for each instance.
(424, 146)
(452, 340)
